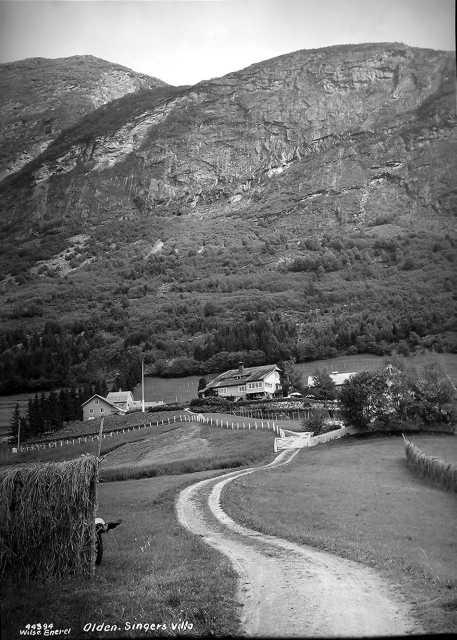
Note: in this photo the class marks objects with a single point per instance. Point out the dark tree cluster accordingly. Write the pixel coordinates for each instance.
(58, 355)
(49, 413)
(398, 398)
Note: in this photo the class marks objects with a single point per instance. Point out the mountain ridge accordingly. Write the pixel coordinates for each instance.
(42, 96)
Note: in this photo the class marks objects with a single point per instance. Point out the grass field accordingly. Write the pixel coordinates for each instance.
(167, 449)
(153, 571)
(368, 362)
(193, 447)
(358, 499)
(168, 389)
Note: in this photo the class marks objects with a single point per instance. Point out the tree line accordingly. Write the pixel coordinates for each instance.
(49, 413)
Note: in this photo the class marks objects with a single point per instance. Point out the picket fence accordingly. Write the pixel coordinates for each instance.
(257, 425)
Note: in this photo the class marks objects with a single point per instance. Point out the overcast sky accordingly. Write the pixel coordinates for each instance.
(185, 41)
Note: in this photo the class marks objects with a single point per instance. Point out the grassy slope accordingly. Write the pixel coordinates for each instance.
(168, 449)
(153, 571)
(358, 499)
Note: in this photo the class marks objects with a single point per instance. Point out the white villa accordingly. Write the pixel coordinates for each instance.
(245, 382)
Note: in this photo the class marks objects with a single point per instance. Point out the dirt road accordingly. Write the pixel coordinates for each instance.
(286, 589)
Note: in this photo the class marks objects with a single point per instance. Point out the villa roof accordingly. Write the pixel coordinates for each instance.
(233, 378)
(119, 396)
(105, 400)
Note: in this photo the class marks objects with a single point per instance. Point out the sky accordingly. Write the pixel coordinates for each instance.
(185, 41)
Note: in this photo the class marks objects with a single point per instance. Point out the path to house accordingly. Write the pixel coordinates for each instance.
(286, 589)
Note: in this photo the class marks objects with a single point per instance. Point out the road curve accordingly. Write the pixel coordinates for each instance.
(286, 589)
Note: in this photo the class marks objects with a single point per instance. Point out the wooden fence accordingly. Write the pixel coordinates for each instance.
(257, 425)
(290, 440)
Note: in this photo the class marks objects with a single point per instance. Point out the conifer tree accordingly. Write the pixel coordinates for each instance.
(14, 426)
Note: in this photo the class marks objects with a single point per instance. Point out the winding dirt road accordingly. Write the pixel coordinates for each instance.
(286, 589)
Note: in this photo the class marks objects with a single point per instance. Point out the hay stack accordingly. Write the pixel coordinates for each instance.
(47, 515)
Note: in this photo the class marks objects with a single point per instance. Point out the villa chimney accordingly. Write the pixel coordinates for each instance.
(241, 369)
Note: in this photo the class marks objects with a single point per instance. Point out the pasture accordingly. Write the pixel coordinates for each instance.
(358, 499)
(368, 362)
(175, 448)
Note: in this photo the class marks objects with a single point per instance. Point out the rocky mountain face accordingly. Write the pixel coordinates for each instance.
(349, 132)
(41, 97)
(317, 184)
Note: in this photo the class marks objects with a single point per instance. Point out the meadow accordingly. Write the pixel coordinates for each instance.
(368, 362)
(168, 449)
(358, 499)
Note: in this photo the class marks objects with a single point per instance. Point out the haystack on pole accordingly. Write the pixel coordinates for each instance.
(142, 384)
(100, 437)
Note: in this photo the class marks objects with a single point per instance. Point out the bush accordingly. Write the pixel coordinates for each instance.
(211, 404)
(316, 421)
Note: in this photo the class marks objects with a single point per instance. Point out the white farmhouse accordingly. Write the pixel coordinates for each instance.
(245, 382)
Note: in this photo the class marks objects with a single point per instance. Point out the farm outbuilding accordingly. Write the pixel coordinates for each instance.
(98, 407)
(122, 399)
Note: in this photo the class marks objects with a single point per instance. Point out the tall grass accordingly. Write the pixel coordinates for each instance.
(439, 472)
(151, 470)
(47, 515)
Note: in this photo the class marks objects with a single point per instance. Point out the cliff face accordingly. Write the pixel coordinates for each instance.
(41, 97)
(346, 132)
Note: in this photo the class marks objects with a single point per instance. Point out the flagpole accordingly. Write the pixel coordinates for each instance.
(142, 384)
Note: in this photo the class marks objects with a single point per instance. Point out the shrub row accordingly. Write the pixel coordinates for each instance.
(441, 473)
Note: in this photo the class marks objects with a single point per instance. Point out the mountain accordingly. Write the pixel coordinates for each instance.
(41, 97)
(301, 207)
